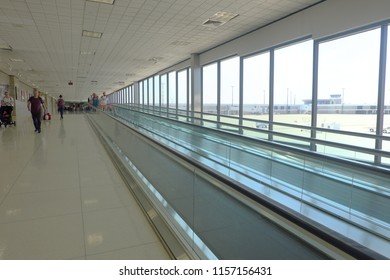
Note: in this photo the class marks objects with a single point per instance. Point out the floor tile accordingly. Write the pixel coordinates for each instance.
(50, 238)
(34, 205)
(114, 229)
(151, 251)
(62, 197)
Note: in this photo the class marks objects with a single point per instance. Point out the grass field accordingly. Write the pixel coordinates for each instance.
(347, 122)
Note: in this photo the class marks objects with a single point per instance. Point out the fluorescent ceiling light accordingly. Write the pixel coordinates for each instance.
(5, 47)
(103, 1)
(92, 34)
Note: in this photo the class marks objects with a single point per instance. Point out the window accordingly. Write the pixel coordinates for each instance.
(140, 92)
(157, 91)
(348, 74)
(182, 89)
(230, 74)
(256, 86)
(172, 89)
(145, 92)
(164, 90)
(293, 83)
(348, 71)
(209, 88)
(150, 91)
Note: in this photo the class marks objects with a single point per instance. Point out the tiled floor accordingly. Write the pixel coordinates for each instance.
(62, 198)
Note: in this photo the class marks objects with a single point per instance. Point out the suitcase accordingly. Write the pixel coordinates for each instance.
(47, 117)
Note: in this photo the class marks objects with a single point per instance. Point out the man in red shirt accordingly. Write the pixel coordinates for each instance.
(35, 105)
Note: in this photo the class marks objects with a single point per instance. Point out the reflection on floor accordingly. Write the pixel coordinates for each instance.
(62, 198)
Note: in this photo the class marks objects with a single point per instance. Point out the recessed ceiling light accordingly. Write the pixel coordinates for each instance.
(16, 60)
(87, 53)
(92, 34)
(103, 1)
(18, 25)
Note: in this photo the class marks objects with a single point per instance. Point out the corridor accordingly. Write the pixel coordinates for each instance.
(62, 198)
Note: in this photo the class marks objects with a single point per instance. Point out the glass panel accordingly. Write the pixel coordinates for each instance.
(209, 89)
(157, 91)
(132, 94)
(182, 90)
(289, 176)
(164, 90)
(293, 84)
(348, 82)
(172, 90)
(141, 92)
(230, 75)
(256, 87)
(150, 90)
(145, 95)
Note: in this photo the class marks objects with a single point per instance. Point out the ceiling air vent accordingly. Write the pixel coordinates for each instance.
(213, 23)
(180, 43)
(219, 18)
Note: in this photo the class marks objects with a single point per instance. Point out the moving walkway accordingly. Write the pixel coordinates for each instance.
(214, 194)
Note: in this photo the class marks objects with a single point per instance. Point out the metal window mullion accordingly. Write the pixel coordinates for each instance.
(241, 95)
(201, 94)
(188, 90)
(177, 91)
(167, 97)
(271, 91)
(314, 98)
(381, 90)
(218, 92)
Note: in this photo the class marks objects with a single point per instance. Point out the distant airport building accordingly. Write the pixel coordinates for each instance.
(331, 105)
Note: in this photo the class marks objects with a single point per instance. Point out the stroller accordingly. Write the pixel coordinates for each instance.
(6, 116)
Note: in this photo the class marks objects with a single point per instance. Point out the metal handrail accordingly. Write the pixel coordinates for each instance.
(191, 114)
(291, 148)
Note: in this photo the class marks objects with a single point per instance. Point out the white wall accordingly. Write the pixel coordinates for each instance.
(4, 79)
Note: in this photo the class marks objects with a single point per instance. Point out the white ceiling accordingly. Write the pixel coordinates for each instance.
(140, 38)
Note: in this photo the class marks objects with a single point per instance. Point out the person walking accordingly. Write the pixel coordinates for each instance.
(61, 105)
(35, 105)
(95, 100)
(103, 102)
